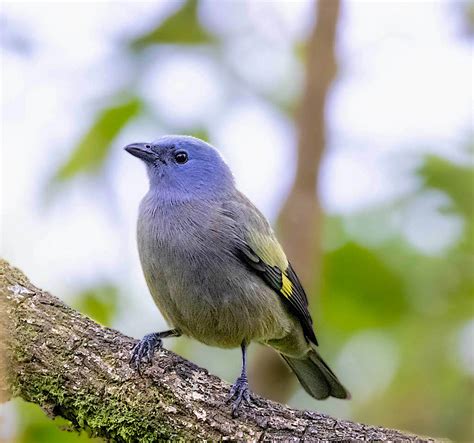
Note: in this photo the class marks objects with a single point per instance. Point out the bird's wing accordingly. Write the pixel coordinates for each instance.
(260, 250)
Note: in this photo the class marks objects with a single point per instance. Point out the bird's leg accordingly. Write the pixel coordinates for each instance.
(143, 351)
(240, 391)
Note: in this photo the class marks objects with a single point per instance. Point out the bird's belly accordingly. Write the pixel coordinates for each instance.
(203, 289)
(219, 306)
(231, 318)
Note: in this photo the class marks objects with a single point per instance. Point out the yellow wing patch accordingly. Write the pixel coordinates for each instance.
(286, 286)
(266, 246)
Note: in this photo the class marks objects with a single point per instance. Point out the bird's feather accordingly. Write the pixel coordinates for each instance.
(286, 283)
(261, 251)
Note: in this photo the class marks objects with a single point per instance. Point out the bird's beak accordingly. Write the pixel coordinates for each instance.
(142, 151)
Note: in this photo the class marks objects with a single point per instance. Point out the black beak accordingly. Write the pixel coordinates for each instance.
(141, 150)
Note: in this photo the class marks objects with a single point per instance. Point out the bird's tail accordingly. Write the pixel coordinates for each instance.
(316, 377)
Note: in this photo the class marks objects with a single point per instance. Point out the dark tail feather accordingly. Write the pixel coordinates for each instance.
(316, 377)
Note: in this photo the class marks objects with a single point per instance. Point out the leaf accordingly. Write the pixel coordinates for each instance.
(359, 290)
(455, 180)
(198, 132)
(182, 27)
(100, 303)
(91, 151)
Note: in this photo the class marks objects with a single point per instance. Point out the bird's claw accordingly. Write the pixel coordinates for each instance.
(144, 350)
(239, 393)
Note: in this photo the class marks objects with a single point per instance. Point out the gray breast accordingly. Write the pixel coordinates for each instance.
(198, 283)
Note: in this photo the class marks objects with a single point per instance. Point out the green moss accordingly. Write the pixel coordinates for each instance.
(22, 353)
(111, 417)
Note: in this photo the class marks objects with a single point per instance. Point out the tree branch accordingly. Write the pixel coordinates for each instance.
(69, 365)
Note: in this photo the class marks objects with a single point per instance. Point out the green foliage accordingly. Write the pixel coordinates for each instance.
(360, 290)
(455, 180)
(182, 28)
(99, 303)
(421, 301)
(201, 133)
(92, 150)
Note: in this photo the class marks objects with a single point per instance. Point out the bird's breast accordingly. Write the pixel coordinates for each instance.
(200, 286)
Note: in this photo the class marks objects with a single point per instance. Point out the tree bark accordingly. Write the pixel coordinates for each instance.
(300, 220)
(72, 367)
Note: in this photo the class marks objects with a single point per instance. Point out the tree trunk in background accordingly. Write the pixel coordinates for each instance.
(300, 220)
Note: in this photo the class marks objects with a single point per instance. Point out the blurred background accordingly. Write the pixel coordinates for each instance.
(348, 123)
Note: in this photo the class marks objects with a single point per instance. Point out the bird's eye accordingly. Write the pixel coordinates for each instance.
(181, 157)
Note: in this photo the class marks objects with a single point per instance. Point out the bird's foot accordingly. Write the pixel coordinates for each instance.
(239, 393)
(144, 350)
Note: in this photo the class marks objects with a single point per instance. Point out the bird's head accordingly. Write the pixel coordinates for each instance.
(184, 168)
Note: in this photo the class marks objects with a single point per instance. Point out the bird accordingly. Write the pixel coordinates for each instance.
(216, 270)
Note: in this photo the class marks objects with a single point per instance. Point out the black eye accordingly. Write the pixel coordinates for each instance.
(181, 157)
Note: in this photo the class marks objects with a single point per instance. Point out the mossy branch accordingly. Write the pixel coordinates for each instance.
(72, 367)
